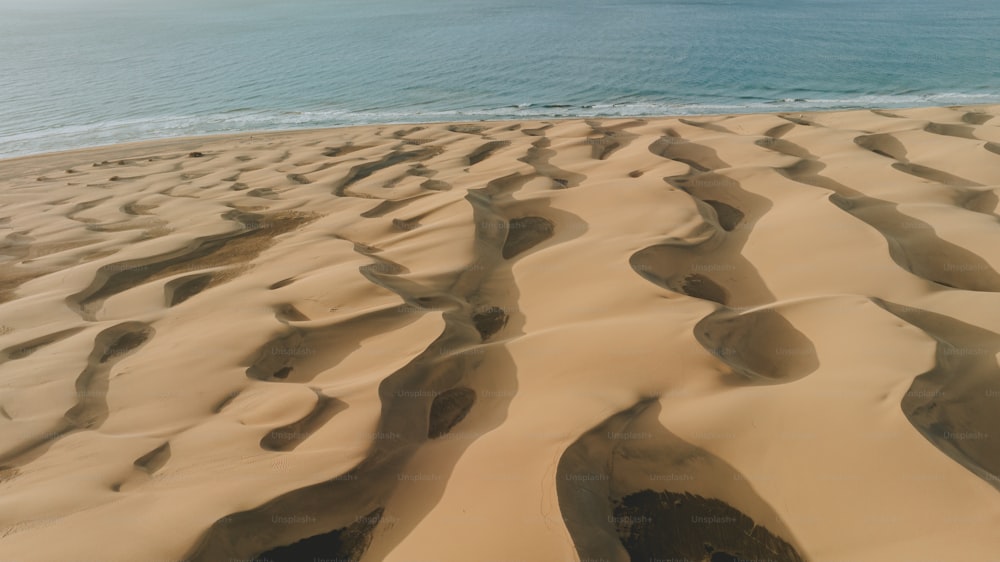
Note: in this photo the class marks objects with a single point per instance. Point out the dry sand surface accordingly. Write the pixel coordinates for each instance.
(756, 337)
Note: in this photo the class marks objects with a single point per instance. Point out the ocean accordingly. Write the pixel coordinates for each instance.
(76, 73)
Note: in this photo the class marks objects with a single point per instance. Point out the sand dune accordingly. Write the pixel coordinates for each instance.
(716, 338)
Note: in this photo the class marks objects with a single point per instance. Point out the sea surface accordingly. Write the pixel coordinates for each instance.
(77, 73)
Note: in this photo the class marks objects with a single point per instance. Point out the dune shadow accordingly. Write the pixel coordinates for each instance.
(956, 404)
(631, 490)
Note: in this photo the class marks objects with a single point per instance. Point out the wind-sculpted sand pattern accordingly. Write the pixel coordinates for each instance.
(627, 516)
(716, 338)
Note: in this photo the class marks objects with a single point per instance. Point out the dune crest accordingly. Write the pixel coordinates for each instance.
(715, 338)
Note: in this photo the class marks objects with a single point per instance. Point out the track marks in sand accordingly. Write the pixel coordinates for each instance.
(615, 509)
(91, 408)
(954, 405)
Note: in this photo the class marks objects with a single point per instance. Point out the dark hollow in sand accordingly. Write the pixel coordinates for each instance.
(179, 290)
(883, 144)
(288, 313)
(489, 321)
(671, 526)
(524, 233)
(348, 543)
(288, 437)
(729, 216)
(760, 345)
(436, 185)
(263, 193)
(976, 118)
(448, 409)
(485, 151)
(701, 287)
(154, 460)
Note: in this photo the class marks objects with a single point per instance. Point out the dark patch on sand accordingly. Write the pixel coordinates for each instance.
(485, 151)
(346, 544)
(729, 216)
(683, 526)
(489, 321)
(524, 233)
(448, 409)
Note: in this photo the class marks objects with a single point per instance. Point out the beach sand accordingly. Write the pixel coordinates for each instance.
(752, 337)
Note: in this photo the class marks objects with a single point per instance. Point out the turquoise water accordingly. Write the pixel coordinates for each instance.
(79, 73)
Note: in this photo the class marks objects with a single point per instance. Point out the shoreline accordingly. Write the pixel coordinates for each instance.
(185, 140)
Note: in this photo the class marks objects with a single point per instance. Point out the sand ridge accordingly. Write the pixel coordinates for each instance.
(712, 338)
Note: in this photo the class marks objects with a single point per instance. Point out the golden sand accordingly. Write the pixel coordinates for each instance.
(771, 336)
